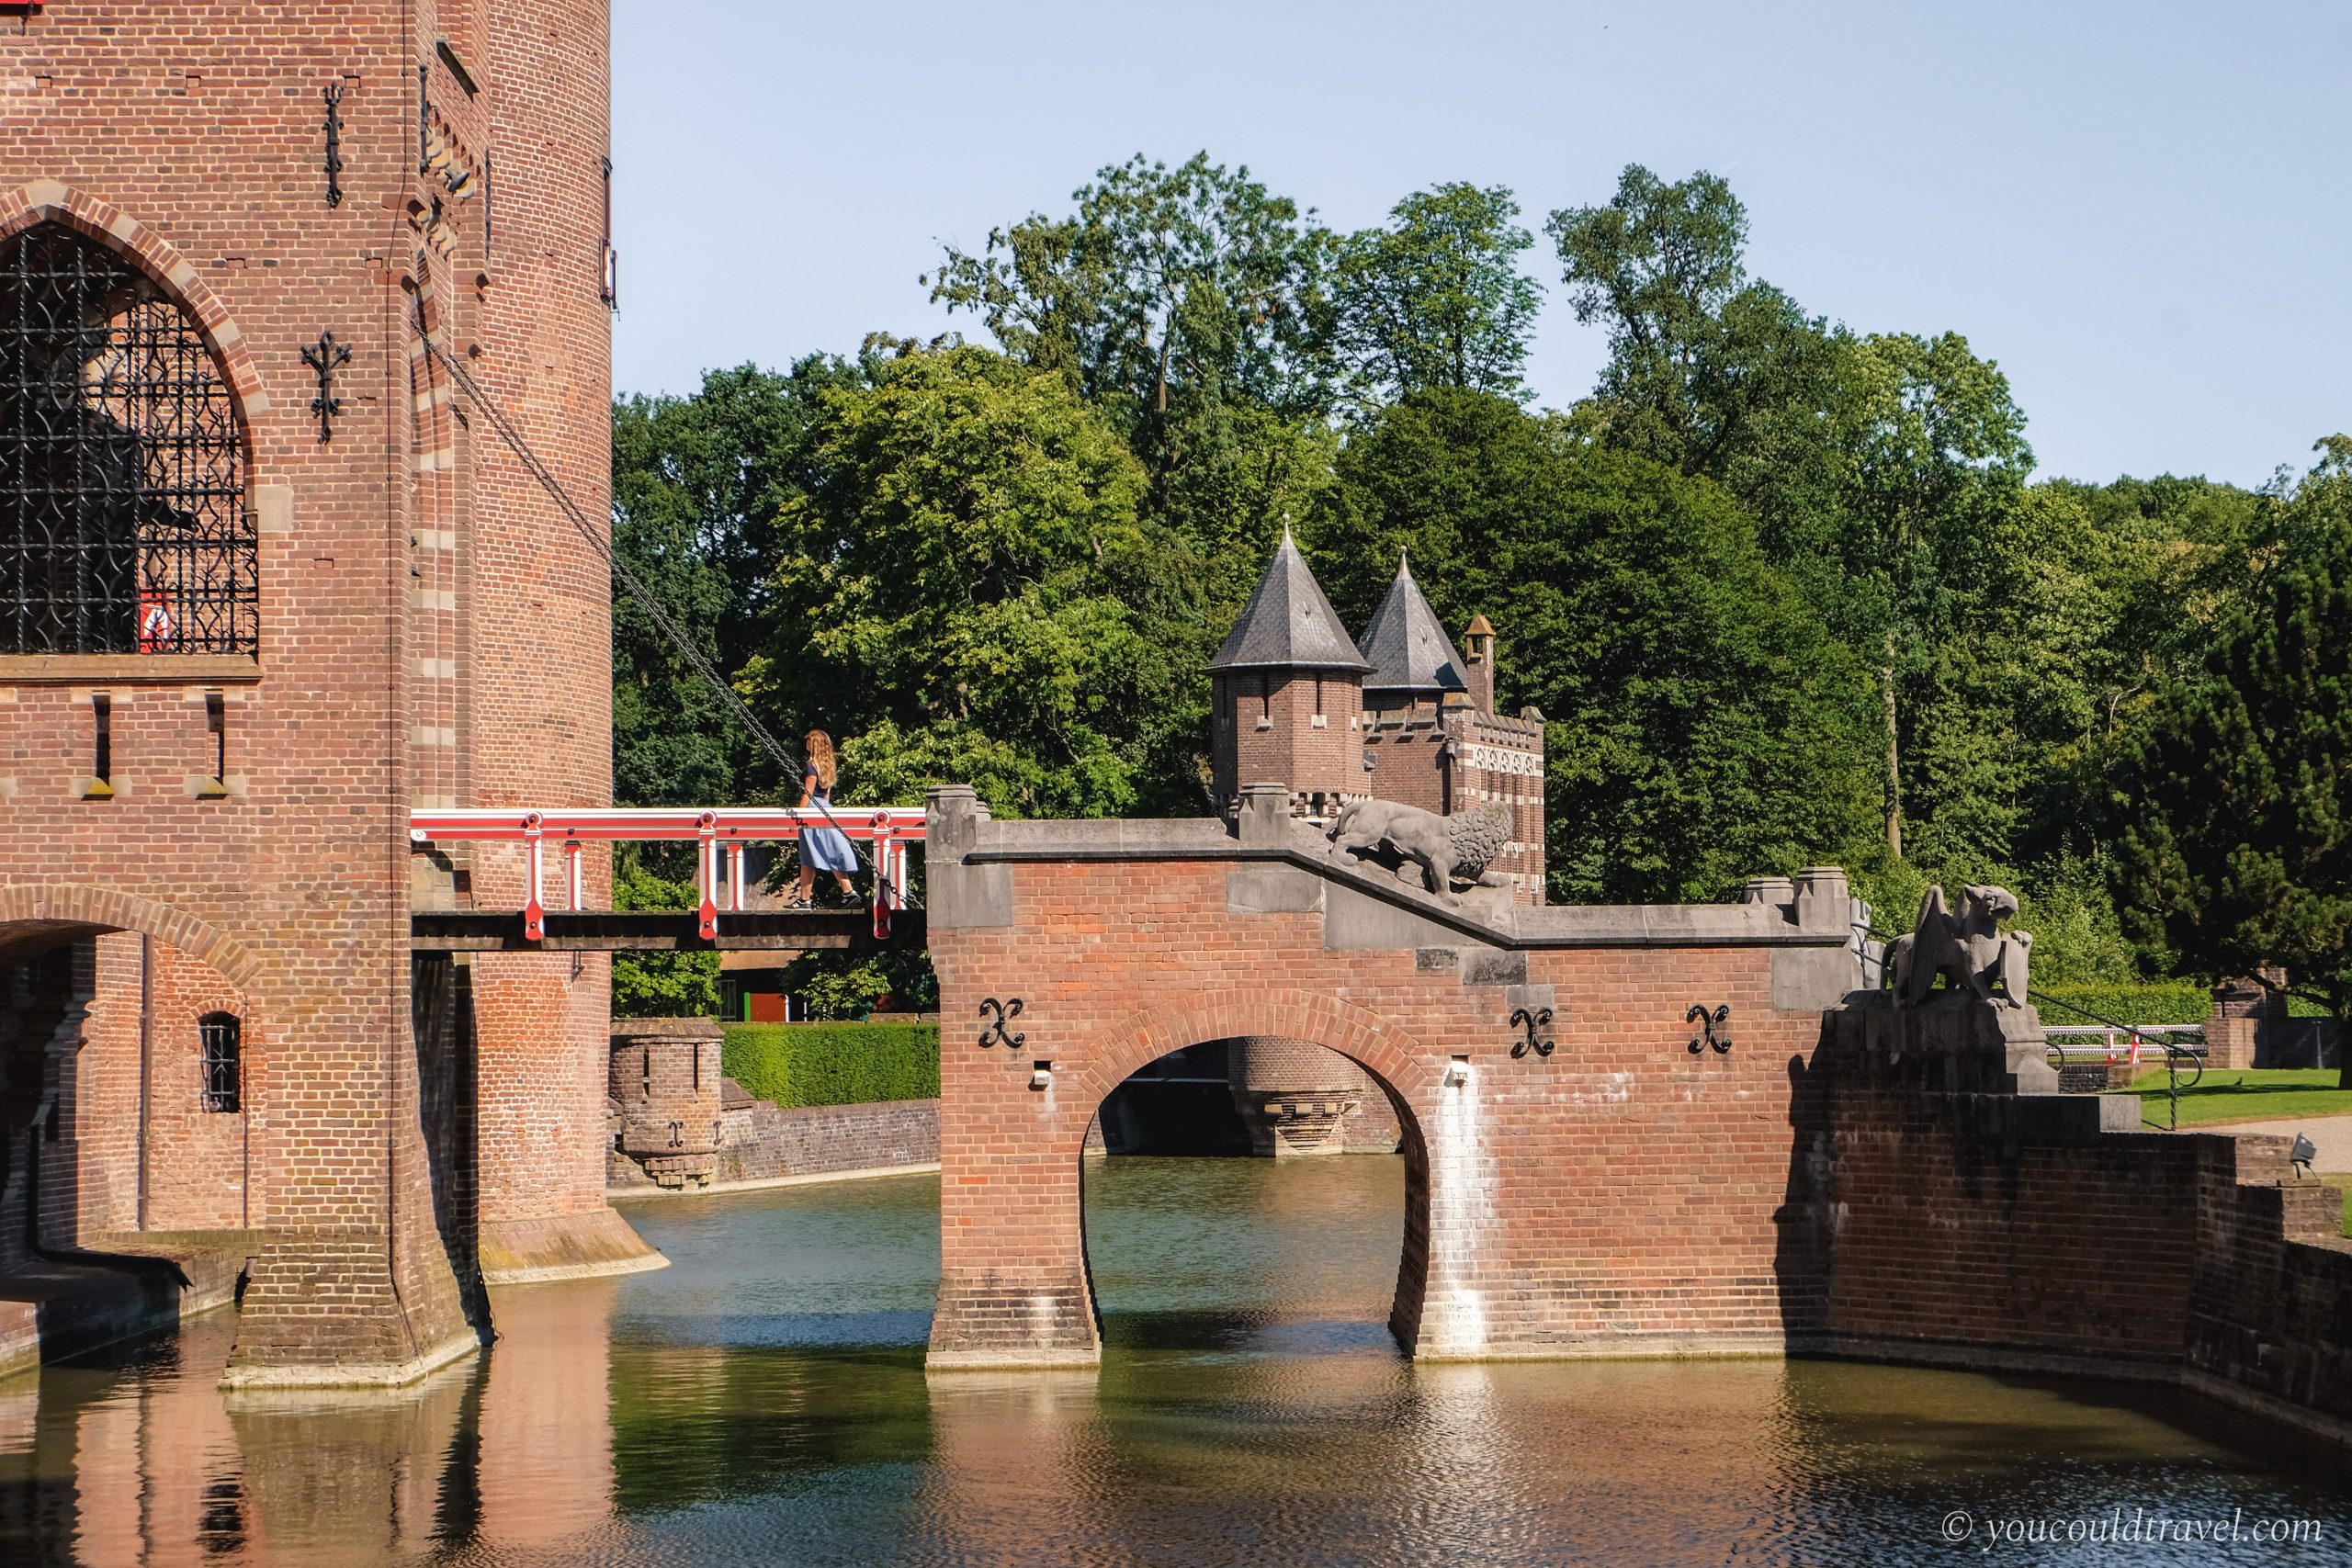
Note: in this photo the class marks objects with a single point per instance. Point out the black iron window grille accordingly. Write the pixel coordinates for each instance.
(123, 522)
(222, 1037)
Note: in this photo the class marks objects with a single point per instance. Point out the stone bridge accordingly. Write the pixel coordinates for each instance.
(1807, 1170)
(1617, 1193)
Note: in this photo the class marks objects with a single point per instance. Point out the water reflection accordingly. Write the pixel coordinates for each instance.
(764, 1401)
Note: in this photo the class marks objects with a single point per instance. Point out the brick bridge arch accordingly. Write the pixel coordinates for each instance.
(1398, 1063)
(1617, 1192)
(1377, 1045)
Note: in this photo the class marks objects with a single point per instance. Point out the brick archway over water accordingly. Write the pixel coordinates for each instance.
(1616, 1195)
(1397, 1064)
(1392, 1055)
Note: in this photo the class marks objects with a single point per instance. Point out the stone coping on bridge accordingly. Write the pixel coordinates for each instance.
(1821, 915)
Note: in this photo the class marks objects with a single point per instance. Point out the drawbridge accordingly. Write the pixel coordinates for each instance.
(725, 916)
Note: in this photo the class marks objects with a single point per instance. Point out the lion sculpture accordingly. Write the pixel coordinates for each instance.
(1444, 847)
(1969, 951)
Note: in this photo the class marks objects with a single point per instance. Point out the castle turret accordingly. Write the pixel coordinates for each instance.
(1288, 695)
(1413, 661)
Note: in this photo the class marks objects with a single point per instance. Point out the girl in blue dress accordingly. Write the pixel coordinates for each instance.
(822, 848)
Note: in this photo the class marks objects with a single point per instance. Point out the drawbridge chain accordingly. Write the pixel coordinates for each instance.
(622, 573)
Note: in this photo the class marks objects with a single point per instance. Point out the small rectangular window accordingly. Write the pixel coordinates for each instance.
(216, 723)
(102, 738)
(222, 1036)
(608, 267)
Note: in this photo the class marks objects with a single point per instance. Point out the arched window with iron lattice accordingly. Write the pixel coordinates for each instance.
(124, 523)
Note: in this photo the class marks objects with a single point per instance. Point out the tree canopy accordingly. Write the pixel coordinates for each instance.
(976, 597)
(2234, 802)
(1436, 299)
(1785, 591)
(1701, 722)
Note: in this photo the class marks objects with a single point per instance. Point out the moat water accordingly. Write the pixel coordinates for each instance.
(762, 1400)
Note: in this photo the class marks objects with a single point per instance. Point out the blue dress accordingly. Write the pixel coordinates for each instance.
(824, 849)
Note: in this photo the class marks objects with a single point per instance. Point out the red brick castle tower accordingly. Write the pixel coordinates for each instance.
(266, 583)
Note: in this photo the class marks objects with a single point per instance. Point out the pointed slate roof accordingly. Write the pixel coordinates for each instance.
(1288, 625)
(1411, 654)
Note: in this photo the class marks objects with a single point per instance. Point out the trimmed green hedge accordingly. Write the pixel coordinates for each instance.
(2177, 1002)
(833, 1064)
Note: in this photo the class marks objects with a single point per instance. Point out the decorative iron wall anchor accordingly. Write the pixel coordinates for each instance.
(997, 1015)
(326, 358)
(1715, 1028)
(1542, 1044)
(333, 93)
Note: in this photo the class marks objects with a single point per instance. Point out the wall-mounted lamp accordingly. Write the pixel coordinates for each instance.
(1457, 1072)
(1041, 1075)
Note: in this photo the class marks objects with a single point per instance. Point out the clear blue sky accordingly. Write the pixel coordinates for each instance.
(2139, 210)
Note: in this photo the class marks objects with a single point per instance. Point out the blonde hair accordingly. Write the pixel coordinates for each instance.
(820, 756)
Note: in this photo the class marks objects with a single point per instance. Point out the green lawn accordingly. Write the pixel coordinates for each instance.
(2245, 1095)
(2343, 1180)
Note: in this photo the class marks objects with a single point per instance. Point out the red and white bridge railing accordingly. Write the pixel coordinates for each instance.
(715, 830)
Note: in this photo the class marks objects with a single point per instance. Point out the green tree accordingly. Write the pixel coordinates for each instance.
(697, 482)
(1701, 726)
(966, 593)
(1167, 292)
(1874, 467)
(1709, 371)
(2234, 799)
(1190, 307)
(1436, 299)
(658, 985)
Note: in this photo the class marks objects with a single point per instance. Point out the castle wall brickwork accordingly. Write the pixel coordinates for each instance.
(1936, 1214)
(665, 1075)
(428, 631)
(195, 1176)
(764, 1142)
(1301, 726)
(1842, 1177)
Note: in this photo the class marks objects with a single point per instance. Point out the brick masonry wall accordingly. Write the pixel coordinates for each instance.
(536, 653)
(1408, 765)
(761, 1142)
(417, 638)
(195, 1177)
(1619, 1194)
(664, 1074)
(1934, 1214)
(1499, 759)
(1266, 728)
